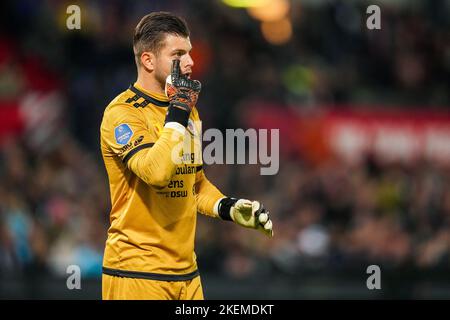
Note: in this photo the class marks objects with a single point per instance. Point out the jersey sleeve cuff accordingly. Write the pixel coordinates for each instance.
(176, 126)
(216, 207)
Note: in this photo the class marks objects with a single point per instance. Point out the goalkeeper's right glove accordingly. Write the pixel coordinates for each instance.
(182, 93)
(249, 214)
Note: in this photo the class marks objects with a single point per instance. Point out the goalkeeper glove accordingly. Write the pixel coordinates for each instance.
(182, 93)
(249, 214)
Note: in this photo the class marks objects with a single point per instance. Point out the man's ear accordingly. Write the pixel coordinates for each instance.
(148, 61)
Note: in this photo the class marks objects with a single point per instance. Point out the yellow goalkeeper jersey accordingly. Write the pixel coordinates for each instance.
(157, 186)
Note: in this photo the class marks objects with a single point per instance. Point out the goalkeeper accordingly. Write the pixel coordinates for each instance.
(156, 186)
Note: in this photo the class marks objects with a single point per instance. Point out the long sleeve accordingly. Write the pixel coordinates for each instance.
(134, 140)
(156, 165)
(208, 195)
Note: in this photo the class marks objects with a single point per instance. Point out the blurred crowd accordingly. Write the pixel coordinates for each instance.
(55, 83)
(53, 209)
(337, 217)
(54, 213)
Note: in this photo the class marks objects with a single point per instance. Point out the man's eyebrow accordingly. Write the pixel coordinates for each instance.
(181, 50)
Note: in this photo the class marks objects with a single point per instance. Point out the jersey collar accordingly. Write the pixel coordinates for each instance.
(154, 98)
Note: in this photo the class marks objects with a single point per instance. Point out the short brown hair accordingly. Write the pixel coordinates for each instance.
(151, 30)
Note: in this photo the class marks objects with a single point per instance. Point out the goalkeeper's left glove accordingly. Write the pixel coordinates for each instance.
(181, 91)
(249, 214)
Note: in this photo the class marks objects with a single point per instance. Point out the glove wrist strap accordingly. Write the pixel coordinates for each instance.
(176, 114)
(225, 208)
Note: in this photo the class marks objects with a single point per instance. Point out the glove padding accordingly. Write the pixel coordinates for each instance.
(181, 91)
(252, 214)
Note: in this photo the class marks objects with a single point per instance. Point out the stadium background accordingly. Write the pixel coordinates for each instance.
(365, 136)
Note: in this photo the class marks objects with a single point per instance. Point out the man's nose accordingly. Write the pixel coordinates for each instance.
(188, 63)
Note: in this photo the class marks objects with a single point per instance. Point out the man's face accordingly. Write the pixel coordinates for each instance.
(175, 47)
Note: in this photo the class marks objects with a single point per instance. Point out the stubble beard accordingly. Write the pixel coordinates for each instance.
(161, 79)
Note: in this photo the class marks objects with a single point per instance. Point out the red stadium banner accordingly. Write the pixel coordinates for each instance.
(400, 135)
(351, 132)
(11, 120)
